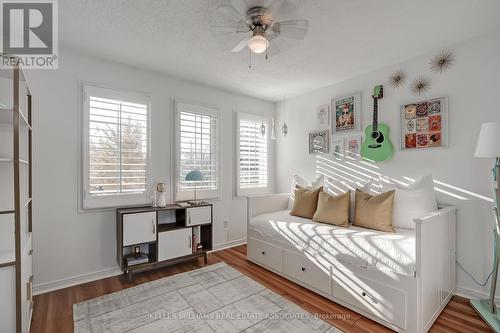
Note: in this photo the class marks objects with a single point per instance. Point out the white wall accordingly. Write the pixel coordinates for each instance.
(69, 246)
(473, 87)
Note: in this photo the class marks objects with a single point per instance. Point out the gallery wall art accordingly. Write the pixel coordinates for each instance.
(323, 116)
(424, 124)
(346, 114)
(352, 147)
(338, 148)
(319, 142)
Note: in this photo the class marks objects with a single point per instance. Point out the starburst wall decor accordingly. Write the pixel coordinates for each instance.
(420, 86)
(397, 78)
(442, 61)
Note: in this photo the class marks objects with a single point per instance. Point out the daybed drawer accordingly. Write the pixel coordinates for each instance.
(264, 253)
(299, 267)
(383, 301)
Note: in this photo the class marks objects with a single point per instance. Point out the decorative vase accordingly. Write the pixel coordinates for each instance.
(161, 195)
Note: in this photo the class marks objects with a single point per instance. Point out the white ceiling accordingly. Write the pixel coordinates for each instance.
(346, 38)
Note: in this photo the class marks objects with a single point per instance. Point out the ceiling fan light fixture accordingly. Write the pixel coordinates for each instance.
(258, 44)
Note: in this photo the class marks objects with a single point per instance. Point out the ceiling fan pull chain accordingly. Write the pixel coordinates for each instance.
(249, 58)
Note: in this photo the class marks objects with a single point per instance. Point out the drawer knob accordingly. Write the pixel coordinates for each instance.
(363, 294)
(303, 269)
(263, 253)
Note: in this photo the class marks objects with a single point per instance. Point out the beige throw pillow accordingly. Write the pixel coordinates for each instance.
(305, 202)
(374, 211)
(333, 209)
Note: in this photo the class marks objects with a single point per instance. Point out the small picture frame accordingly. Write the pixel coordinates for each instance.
(352, 147)
(137, 251)
(346, 114)
(319, 142)
(338, 148)
(424, 124)
(323, 116)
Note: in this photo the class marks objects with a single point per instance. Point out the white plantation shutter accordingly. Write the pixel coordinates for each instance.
(116, 148)
(253, 155)
(196, 149)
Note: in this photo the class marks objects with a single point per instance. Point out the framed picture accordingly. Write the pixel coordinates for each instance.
(346, 114)
(323, 116)
(352, 147)
(338, 149)
(319, 142)
(424, 124)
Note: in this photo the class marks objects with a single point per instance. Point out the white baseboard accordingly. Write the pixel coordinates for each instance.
(226, 245)
(474, 294)
(46, 287)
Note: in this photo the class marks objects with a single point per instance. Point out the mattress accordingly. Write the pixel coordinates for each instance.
(370, 249)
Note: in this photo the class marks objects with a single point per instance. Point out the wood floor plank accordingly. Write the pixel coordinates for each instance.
(53, 311)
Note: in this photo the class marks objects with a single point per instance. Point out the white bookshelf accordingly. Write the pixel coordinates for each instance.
(16, 251)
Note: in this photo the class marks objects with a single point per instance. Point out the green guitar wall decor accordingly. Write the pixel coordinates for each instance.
(377, 145)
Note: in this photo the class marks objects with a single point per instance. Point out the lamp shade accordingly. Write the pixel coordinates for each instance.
(488, 143)
(194, 176)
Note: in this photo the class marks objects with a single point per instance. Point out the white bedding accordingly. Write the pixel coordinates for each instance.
(363, 247)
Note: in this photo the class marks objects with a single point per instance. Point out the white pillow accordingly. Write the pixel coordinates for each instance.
(415, 201)
(335, 187)
(297, 180)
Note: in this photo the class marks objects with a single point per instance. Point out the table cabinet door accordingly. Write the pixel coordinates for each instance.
(139, 228)
(198, 215)
(175, 243)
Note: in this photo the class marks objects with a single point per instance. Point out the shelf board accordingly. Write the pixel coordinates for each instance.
(7, 117)
(139, 266)
(149, 208)
(4, 212)
(7, 258)
(11, 160)
(164, 227)
(146, 243)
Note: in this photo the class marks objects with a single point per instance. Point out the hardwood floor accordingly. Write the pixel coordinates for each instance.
(53, 312)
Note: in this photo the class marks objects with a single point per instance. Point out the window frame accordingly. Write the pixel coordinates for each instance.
(107, 201)
(248, 191)
(184, 195)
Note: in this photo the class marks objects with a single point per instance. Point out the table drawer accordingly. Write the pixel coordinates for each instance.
(303, 269)
(373, 297)
(266, 254)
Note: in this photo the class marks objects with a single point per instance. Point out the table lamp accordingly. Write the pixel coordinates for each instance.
(194, 176)
(488, 146)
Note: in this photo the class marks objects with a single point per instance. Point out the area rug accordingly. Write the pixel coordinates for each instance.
(215, 298)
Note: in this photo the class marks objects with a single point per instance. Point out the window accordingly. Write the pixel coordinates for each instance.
(252, 155)
(116, 148)
(196, 149)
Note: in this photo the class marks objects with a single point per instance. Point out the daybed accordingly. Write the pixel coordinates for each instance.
(402, 280)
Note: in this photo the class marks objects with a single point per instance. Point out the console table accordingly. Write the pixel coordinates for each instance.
(162, 236)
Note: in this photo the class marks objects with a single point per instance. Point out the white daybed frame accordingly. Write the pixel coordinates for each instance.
(401, 302)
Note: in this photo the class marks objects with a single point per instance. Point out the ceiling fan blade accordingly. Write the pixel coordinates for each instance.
(296, 29)
(229, 13)
(241, 6)
(272, 49)
(241, 45)
(280, 9)
(218, 30)
(279, 45)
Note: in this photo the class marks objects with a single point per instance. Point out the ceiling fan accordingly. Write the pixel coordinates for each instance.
(260, 26)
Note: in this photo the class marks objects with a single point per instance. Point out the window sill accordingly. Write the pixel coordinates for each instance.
(243, 193)
(111, 202)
